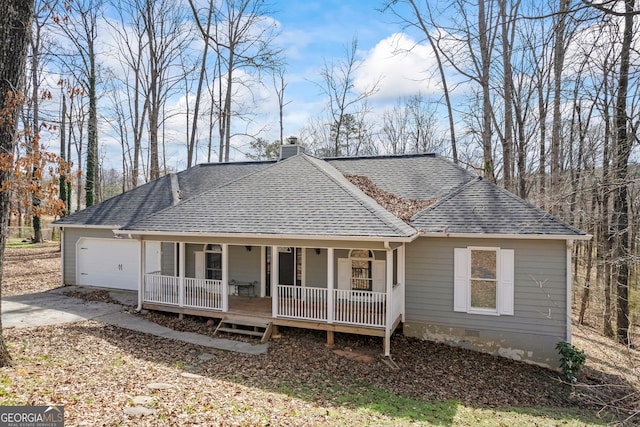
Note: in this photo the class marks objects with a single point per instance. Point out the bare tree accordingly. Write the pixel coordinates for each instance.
(78, 21)
(243, 41)
(167, 37)
(424, 21)
(344, 101)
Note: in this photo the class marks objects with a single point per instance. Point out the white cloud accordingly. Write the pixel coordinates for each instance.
(401, 65)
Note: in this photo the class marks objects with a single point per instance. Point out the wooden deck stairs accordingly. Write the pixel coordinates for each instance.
(251, 327)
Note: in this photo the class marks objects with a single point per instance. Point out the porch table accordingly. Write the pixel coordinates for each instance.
(246, 288)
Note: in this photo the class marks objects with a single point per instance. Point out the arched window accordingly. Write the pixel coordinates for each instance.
(361, 269)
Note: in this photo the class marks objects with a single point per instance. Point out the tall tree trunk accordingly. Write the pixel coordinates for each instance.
(584, 303)
(63, 151)
(605, 245)
(15, 30)
(485, 54)
(203, 71)
(91, 170)
(507, 24)
(620, 201)
(558, 65)
(35, 129)
(443, 78)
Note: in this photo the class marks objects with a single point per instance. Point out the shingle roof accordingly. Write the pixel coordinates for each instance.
(481, 207)
(119, 210)
(302, 195)
(305, 195)
(417, 176)
(156, 195)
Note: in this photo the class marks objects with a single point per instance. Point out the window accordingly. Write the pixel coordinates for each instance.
(483, 282)
(361, 270)
(213, 254)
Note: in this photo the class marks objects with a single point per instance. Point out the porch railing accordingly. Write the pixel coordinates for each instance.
(197, 293)
(203, 293)
(302, 302)
(161, 289)
(362, 308)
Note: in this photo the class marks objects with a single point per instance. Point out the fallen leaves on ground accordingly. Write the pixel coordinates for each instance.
(97, 371)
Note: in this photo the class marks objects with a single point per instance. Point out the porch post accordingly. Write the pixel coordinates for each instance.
(275, 259)
(263, 271)
(225, 277)
(330, 285)
(141, 277)
(181, 249)
(402, 277)
(388, 303)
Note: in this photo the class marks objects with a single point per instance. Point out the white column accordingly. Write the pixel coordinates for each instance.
(141, 277)
(275, 258)
(181, 249)
(330, 285)
(389, 303)
(263, 271)
(225, 277)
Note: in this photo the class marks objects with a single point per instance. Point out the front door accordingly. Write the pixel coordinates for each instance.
(290, 266)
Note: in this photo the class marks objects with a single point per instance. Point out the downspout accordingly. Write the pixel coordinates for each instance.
(569, 285)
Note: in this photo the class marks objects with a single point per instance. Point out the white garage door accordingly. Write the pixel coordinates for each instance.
(109, 263)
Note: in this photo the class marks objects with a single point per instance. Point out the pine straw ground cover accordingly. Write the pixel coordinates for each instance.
(99, 372)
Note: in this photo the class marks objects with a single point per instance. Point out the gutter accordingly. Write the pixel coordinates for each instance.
(507, 236)
(404, 239)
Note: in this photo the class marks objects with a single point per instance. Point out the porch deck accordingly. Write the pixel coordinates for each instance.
(243, 308)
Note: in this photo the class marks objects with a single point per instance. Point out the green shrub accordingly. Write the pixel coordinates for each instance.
(571, 360)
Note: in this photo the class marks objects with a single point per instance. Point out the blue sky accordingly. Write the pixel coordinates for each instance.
(312, 32)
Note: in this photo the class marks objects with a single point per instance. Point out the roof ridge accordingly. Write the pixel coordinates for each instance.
(366, 201)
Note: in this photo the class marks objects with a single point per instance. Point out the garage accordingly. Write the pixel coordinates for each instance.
(109, 263)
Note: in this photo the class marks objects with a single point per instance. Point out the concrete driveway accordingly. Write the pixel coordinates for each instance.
(53, 308)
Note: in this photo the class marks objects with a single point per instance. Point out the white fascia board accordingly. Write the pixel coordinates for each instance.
(268, 236)
(508, 236)
(99, 227)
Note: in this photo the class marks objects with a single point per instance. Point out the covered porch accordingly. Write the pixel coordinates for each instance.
(343, 288)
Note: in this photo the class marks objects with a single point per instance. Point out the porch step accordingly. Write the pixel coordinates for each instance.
(254, 328)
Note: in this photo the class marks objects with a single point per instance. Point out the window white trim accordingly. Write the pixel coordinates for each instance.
(504, 281)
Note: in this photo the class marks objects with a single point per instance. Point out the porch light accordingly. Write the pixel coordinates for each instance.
(317, 251)
(248, 248)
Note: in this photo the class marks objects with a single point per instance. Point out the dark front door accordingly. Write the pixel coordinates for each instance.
(286, 269)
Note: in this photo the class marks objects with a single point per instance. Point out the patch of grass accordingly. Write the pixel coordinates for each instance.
(397, 409)
(18, 243)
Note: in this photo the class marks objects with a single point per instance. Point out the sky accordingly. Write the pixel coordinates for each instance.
(312, 33)
(317, 32)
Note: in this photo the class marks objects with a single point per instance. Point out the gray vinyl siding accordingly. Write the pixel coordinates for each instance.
(539, 292)
(316, 268)
(244, 266)
(168, 260)
(71, 237)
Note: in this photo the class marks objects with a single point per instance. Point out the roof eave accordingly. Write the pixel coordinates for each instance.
(100, 226)
(507, 236)
(402, 239)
